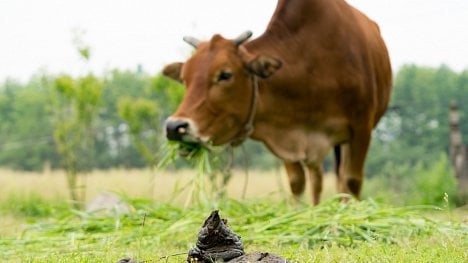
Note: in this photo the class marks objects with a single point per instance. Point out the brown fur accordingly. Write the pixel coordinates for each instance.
(326, 81)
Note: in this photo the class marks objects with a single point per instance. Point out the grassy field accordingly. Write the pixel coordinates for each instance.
(37, 224)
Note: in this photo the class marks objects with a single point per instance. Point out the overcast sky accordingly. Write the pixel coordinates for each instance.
(37, 35)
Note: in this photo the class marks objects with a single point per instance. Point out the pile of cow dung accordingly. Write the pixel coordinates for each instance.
(217, 243)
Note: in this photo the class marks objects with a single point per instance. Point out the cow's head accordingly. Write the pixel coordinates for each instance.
(219, 80)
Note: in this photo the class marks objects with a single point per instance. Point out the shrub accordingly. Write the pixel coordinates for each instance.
(414, 185)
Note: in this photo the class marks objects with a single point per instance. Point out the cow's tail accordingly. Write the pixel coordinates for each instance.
(337, 151)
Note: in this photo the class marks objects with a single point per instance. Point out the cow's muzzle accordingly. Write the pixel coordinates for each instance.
(176, 129)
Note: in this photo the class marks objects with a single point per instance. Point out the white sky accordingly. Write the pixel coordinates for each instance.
(37, 35)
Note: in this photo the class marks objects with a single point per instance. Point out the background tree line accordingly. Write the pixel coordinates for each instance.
(130, 108)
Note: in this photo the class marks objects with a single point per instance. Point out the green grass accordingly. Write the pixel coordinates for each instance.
(331, 232)
(31, 205)
(35, 229)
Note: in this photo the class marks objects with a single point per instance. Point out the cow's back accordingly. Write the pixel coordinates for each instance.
(335, 62)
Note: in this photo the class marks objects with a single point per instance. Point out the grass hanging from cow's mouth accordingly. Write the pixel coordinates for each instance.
(213, 170)
(190, 150)
(171, 150)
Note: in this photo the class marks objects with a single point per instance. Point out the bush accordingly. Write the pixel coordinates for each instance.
(414, 185)
(433, 184)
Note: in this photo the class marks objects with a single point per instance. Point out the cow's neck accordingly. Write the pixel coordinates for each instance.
(283, 39)
(248, 128)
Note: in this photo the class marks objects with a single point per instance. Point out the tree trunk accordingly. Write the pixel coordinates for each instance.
(73, 189)
(458, 154)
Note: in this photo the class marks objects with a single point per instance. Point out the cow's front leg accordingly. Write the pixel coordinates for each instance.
(296, 176)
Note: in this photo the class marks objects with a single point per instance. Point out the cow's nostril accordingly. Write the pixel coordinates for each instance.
(176, 129)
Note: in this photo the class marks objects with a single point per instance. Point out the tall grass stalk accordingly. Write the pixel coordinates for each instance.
(212, 165)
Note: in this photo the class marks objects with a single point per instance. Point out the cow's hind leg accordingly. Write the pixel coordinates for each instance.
(343, 170)
(351, 170)
(296, 177)
(315, 176)
(337, 150)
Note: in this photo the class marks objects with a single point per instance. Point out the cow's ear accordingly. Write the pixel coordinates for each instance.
(264, 66)
(173, 71)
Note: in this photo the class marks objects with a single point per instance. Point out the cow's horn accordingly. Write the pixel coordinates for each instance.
(192, 41)
(242, 38)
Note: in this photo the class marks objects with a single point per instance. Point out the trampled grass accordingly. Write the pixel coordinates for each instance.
(333, 231)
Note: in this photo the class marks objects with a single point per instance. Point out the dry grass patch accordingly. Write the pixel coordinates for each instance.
(157, 185)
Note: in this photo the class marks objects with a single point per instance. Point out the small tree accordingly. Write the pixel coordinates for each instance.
(142, 118)
(76, 104)
(144, 115)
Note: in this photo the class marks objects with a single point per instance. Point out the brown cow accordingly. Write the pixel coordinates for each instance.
(319, 77)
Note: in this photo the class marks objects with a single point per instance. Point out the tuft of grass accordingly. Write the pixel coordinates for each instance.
(155, 230)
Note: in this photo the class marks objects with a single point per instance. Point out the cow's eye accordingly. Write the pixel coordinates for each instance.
(224, 76)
